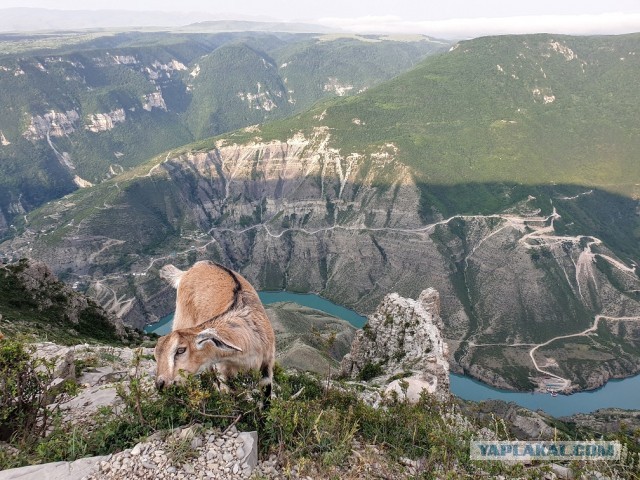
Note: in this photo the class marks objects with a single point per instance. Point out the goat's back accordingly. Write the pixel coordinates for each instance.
(205, 291)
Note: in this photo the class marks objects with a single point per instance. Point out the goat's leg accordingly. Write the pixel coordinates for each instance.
(267, 382)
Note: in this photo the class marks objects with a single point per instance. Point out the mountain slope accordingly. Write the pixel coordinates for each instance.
(308, 339)
(534, 258)
(530, 109)
(34, 303)
(82, 108)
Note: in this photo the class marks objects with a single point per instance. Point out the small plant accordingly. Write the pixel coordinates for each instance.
(179, 449)
(26, 390)
(331, 340)
(369, 332)
(84, 364)
(399, 354)
(370, 370)
(400, 375)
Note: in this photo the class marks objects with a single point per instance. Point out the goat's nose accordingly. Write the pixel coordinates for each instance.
(159, 383)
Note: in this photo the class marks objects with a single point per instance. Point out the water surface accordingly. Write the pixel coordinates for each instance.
(623, 393)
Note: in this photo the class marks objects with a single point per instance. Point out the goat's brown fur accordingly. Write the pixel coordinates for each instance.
(203, 292)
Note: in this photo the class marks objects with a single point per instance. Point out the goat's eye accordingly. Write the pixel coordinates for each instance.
(181, 350)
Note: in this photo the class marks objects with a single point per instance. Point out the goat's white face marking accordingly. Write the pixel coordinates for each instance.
(171, 358)
(169, 349)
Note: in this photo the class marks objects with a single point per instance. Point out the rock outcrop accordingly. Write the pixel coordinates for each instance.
(40, 291)
(81, 182)
(54, 124)
(403, 338)
(101, 122)
(154, 100)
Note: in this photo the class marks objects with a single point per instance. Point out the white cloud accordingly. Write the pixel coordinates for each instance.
(606, 23)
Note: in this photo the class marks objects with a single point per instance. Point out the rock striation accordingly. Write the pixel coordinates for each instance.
(403, 338)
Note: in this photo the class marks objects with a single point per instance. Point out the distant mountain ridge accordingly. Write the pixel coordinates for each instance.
(22, 19)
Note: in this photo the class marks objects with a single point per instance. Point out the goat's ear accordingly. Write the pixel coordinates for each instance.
(171, 275)
(211, 335)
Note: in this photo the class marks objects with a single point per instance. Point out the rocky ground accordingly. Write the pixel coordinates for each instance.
(185, 453)
(97, 370)
(192, 451)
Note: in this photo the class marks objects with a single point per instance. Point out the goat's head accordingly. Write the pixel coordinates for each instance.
(190, 350)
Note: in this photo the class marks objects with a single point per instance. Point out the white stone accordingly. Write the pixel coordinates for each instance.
(250, 448)
(240, 453)
(102, 122)
(56, 471)
(154, 100)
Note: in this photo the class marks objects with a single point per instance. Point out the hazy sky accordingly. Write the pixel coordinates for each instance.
(448, 17)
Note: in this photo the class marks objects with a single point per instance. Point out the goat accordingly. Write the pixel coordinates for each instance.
(222, 325)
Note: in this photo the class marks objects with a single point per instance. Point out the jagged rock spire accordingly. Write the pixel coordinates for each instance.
(403, 336)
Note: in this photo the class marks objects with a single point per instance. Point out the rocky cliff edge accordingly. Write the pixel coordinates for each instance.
(402, 342)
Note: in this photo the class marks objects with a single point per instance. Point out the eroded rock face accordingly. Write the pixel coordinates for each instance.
(38, 281)
(154, 100)
(101, 122)
(403, 336)
(303, 215)
(55, 124)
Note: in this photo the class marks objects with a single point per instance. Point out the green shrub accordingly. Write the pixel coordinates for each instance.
(26, 389)
(369, 371)
(369, 332)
